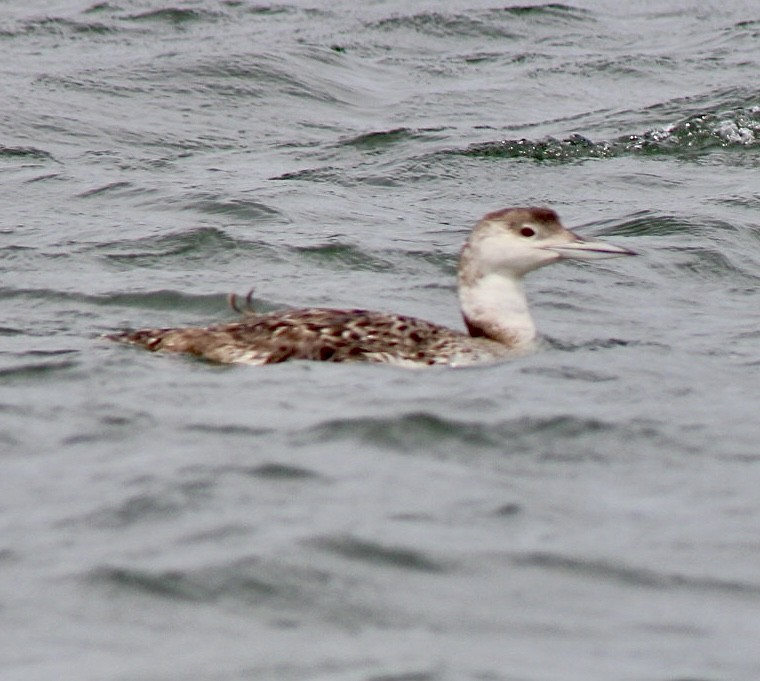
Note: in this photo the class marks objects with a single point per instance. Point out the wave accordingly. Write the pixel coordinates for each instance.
(689, 137)
(499, 24)
(418, 431)
(634, 576)
(380, 555)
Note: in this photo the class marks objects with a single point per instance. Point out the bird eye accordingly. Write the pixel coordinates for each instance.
(528, 231)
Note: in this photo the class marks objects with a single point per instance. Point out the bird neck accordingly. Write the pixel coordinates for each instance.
(494, 306)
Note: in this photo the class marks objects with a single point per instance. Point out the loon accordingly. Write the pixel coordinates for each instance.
(503, 247)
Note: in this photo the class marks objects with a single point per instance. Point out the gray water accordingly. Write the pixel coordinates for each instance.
(590, 512)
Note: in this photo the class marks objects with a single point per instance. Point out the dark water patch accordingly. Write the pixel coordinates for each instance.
(162, 502)
(243, 209)
(337, 255)
(548, 149)
(237, 78)
(217, 533)
(550, 10)
(439, 25)
(281, 471)
(315, 74)
(326, 174)
(100, 7)
(708, 249)
(105, 425)
(634, 576)
(592, 345)
(33, 258)
(48, 353)
(26, 371)
(250, 582)
(14, 409)
(648, 223)
(709, 264)
(45, 177)
(272, 9)
(507, 510)
(8, 556)
(119, 187)
(560, 438)
(95, 82)
(174, 16)
(163, 299)
(247, 210)
(446, 263)
(59, 27)
(397, 173)
(498, 24)
(192, 243)
(25, 152)
(137, 509)
(189, 247)
(484, 57)
(421, 432)
(233, 429)
(570, 373)
(745, 29)
(381, 139)
(405, 433)
(625, 67)
(269, 471)
(689, 138)
(378, 554)
(168, 584)
(408, 676)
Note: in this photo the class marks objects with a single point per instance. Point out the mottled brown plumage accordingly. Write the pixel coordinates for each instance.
(503, 247)
(323, 335)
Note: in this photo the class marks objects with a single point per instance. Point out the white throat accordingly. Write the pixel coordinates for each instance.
(494, 306)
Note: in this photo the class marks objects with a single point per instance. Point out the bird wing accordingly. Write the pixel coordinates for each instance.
(313, 334)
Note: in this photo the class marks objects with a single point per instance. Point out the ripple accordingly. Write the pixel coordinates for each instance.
(189, 246)
(634, 576)
(160, 299)
(25, 152)
(710, 264)
(156, 501)
(337, 255)
(407, 676)
(58, 27)
(420, 431)
(648, 223)
(36, 370)
(379, 554)
(234, 429)
(176, 16)
(280, 471)
(245, 209)
(550, 9)
(249, 581)
(137, 509)
(491, 24)
(327, 174)
(378, 140)
(118, 187)
(445, 25)
(570, 373)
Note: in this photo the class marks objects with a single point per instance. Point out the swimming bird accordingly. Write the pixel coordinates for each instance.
(503, 247)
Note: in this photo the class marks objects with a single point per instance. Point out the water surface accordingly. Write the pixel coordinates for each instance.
(585, 513)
